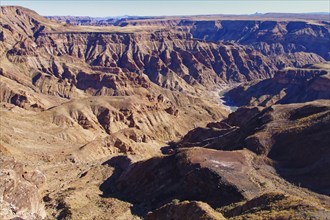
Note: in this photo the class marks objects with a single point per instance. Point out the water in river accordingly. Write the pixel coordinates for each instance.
(227, 102)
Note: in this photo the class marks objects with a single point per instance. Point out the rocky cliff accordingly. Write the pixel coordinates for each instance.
(169, 58)
(124, 121)
(291, 85)
(298, 39)
(257, 159)
(293, 135)
(20, 190)
(272, 38)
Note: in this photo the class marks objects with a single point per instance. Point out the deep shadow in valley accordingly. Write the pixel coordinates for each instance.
(109, 186)
(152, 183)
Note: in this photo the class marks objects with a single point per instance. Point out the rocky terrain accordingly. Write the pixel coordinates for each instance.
(285, 87)
(277, 154)
(269, 131)
(286, 39)
(122, 118)
(19, 190)
(293, 38)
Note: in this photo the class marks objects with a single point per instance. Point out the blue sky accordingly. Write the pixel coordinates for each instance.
(102, 8)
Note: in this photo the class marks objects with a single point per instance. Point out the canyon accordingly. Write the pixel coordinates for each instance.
(128, 118)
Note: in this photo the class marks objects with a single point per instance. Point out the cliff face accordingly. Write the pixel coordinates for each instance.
(169, 58)
(164, 57)
(294, 136)
(174, 58)
(272, 38)
(292, 85)
(298, 38)
(95, 108)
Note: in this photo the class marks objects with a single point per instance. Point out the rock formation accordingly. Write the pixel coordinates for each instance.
(294, 136)
(292, 85)
(125, 121)
(271, 37)
(196, 174)
(262, 159)
(20, 191)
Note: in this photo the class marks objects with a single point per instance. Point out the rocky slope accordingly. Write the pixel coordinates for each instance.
(20, 190)
(183, 211)
(291, 85)
(272, 38)
(87, 113)
(265, 159)
(294, 136)
(94, 128)
(169, 58)
(197, 174)
(294, 39)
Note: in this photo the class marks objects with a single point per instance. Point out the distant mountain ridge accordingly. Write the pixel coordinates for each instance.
(108, 20)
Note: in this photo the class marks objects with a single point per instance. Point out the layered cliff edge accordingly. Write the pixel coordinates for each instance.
(173, 57)
(269, 33)
(87, 113)
(290, 85)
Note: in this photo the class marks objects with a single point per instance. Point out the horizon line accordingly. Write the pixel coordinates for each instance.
(177, 15)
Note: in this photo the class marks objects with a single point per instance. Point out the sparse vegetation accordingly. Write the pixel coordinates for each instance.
(121, 118)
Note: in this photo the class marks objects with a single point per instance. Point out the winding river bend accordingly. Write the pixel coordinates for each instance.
(226, 101)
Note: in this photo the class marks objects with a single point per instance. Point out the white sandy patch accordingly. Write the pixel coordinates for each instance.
(223, 164)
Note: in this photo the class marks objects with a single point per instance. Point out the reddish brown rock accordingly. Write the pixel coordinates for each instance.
(19, 194)
(294, 136)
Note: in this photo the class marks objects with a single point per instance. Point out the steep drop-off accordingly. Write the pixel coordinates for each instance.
(291, 85)
(301, 39)
(260, 159)
(169, 58)
(294, 39)
(87, 113)
(294, 136)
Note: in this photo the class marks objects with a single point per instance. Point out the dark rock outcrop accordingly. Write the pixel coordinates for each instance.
(275, 205)
(215, 177)
(294, 136)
